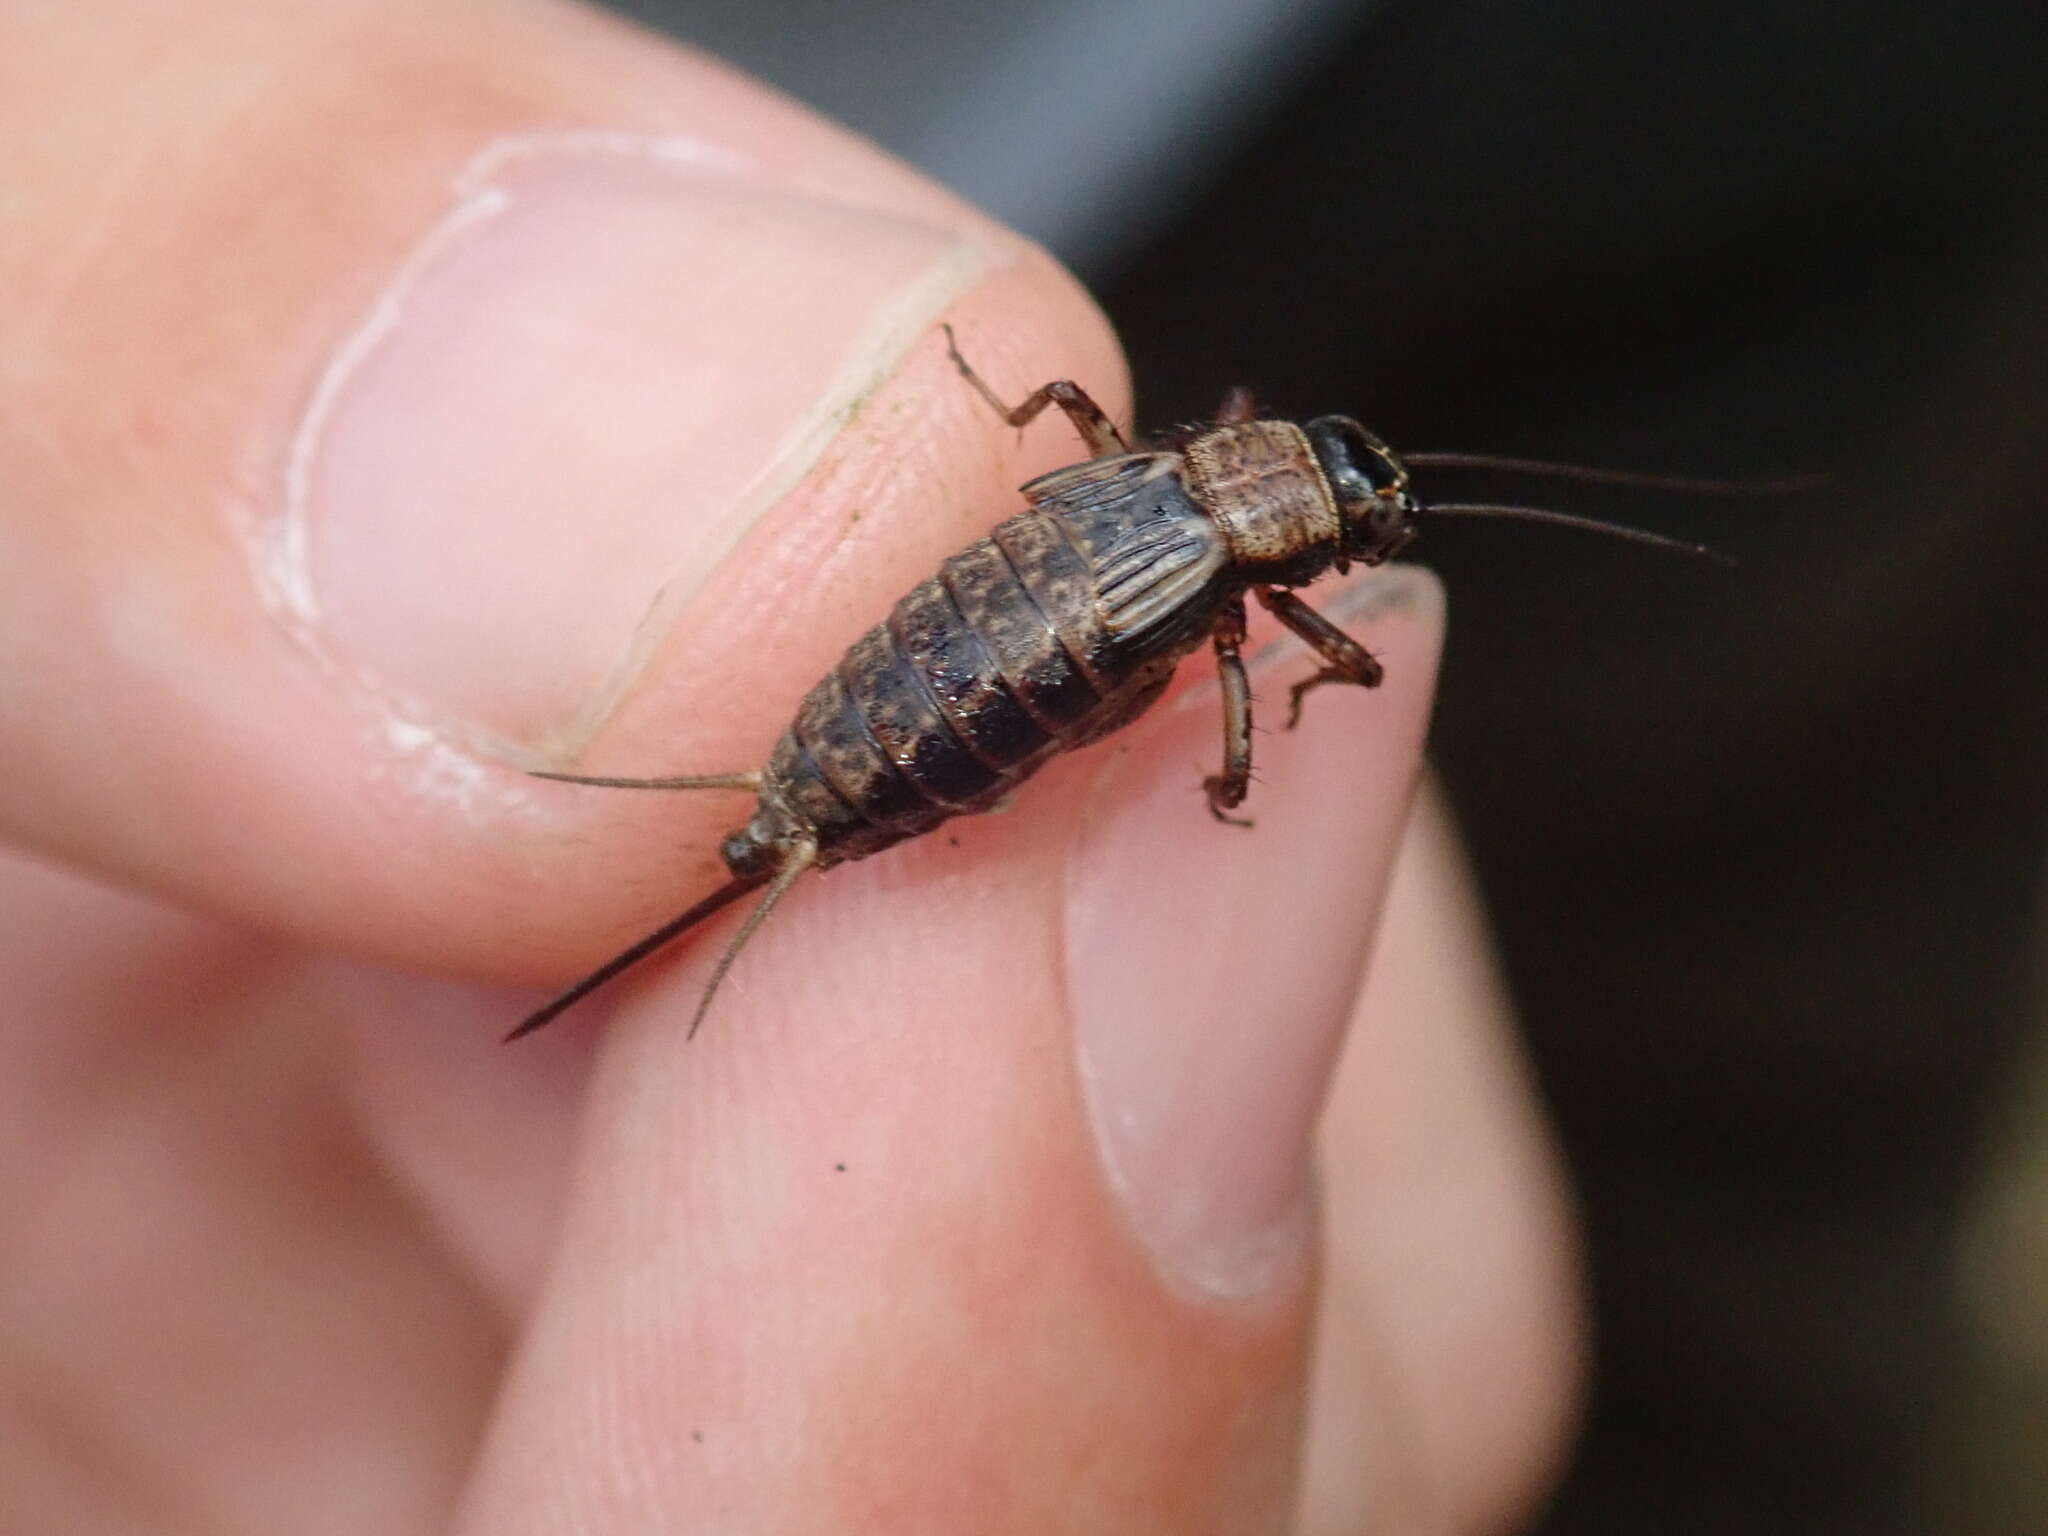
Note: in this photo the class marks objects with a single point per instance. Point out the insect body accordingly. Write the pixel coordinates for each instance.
(1061, 626)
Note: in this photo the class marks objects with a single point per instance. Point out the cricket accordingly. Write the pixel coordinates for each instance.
(1068, 621)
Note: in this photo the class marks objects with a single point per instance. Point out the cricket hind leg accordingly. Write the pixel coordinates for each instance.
(798, 855)
(1089, 419)
(1344, 659)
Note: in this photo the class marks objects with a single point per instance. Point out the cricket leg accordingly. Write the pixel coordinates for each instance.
(1089, 419)
(1344, 659)
(1227, 789)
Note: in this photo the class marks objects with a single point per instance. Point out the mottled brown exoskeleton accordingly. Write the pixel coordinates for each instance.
(1061, 626)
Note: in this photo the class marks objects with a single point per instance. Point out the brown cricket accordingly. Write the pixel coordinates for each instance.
(1065, 624)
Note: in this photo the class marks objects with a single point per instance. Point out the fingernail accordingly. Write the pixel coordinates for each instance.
(1213, 968)
(603, 364)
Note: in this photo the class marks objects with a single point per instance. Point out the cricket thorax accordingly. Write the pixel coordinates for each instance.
(1261, 483)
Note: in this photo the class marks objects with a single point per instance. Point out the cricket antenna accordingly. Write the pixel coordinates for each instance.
(1688, 485)
(1570, 520)
(799, 858)
(1790, 485)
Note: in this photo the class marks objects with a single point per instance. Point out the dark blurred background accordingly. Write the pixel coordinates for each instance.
(1764, 848)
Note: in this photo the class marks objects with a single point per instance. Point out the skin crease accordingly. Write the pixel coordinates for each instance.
(289, 1244)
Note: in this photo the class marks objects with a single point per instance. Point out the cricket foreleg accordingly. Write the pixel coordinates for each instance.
(1228, 788)
(1089, 419)
(1344, 659)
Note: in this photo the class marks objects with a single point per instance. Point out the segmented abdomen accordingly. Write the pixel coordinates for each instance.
(977, 677)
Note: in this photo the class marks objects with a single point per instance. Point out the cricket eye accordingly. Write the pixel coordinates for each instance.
(1358, 465)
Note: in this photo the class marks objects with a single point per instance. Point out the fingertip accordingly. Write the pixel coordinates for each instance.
(1451, 1350)
(1213, 966)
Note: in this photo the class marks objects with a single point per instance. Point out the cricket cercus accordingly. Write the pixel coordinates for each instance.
(1066, 623)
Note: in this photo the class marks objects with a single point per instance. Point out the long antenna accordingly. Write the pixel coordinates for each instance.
(1788, 486)
(1570, 520)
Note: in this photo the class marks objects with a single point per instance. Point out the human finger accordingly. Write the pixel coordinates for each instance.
(983, 1200)
(402, 397)
(1450, 1342)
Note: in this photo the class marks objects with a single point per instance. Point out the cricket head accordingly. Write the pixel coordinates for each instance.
(1371, 487)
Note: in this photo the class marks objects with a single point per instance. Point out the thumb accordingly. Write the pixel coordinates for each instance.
(417, 432)
(983, 1201)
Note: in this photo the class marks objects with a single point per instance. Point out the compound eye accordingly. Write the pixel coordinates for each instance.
(1359, 465)
(1384, 471)
(1376, 462)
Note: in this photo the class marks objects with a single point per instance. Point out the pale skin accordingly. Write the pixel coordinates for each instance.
(292, 1244)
